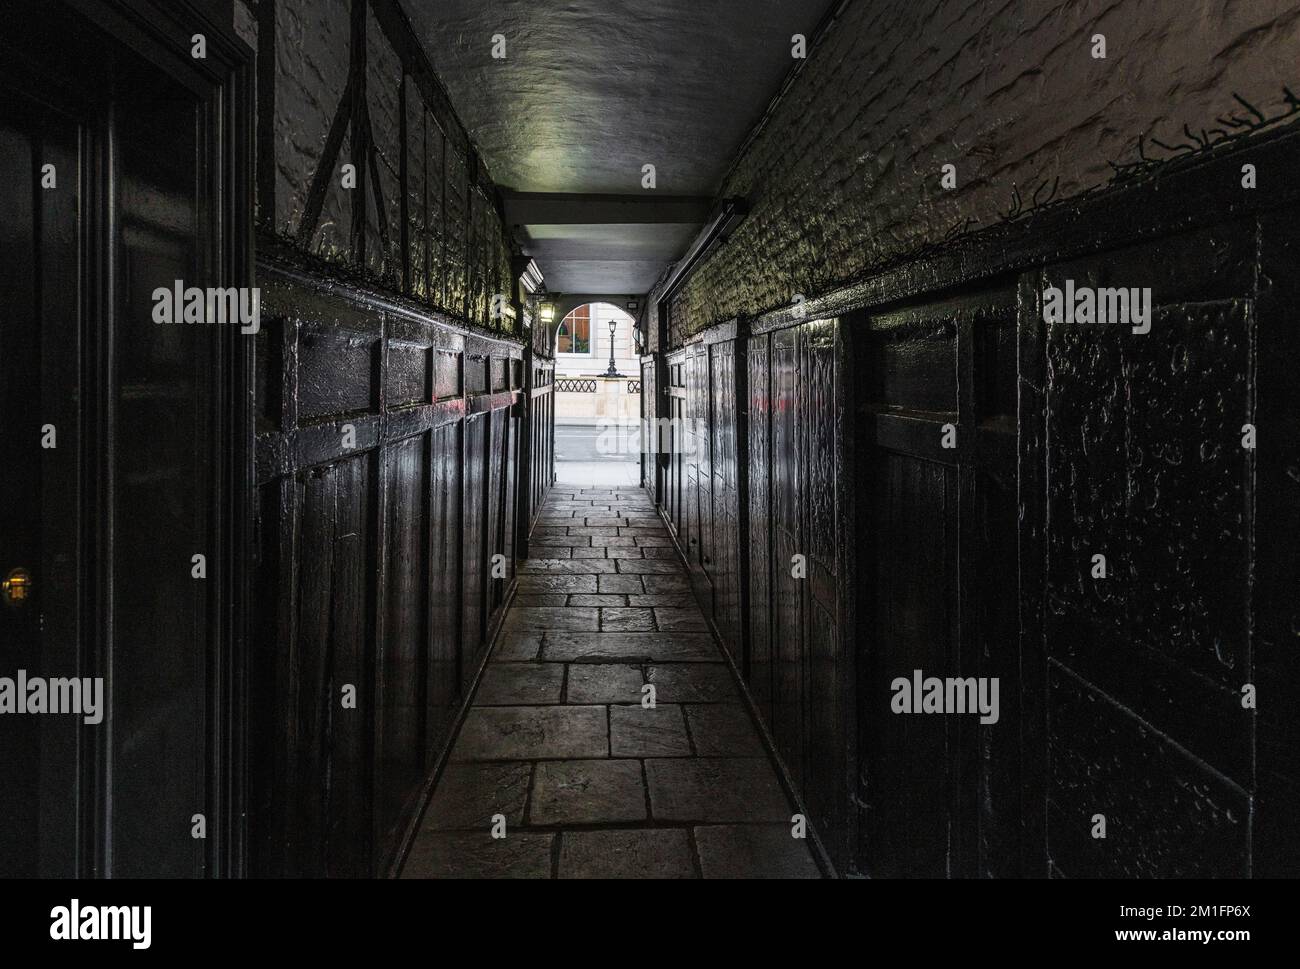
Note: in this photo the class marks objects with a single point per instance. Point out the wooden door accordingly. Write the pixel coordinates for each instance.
(125, 172)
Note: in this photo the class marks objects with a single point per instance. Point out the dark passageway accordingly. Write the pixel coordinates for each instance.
(948, 353)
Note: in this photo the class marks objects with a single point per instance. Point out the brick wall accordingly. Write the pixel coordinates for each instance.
(845, 176)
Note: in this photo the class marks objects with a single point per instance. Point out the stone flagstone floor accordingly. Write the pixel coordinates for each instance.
(591, 784)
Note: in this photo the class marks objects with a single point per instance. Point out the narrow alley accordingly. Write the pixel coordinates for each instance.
(848, 440)
(592, 774)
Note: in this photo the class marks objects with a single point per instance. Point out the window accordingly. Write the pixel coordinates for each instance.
(574, 335)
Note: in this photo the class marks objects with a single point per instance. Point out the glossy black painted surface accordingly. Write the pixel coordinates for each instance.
(148, 463)
(1120, 696)
(387, 473)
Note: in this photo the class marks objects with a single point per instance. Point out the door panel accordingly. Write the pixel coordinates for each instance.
(116, 150)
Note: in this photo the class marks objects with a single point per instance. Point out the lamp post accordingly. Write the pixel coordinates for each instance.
(612, 371)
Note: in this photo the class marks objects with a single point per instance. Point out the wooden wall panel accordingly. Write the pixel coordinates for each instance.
(474, 535)
(387, 486)
(400, 698)
(1146, 468)
(759, 550)
(789, 714)
(443, 691)
(722, 559)
(827, 667)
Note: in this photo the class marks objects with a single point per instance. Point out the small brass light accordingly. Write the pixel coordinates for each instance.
(16, 587)
(548, 312)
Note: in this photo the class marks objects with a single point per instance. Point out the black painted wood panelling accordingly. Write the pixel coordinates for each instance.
(388, 471)
(759, 460)
(1119, 696)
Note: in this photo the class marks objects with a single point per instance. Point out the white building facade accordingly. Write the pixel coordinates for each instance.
(582, 344)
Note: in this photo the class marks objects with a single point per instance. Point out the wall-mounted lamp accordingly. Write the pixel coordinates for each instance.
(548, 312)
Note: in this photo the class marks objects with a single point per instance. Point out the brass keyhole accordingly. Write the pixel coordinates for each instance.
(17, 588)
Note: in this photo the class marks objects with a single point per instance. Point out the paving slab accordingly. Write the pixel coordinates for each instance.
(680, 619)
(715, 789)
(692, 682)
(532, 733)
(465, 854)
(627, 620)
(627, 647)
(468, 795)
(604, 683)
(637, 731)
(724, 730)
(563, 617)
(753, 851)
(587, 792)
(633, 853)
(519, 684)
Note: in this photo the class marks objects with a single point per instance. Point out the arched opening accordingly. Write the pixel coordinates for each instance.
(597, 396)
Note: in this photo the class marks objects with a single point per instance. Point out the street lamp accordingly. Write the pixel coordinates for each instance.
(611, 372)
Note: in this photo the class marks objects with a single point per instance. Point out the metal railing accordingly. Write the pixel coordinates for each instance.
(583, 385)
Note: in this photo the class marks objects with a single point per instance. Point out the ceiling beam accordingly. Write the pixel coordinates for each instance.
(561, 208)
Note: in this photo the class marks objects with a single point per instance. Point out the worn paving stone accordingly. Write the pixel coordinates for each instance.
(469, 794)
(715, 789)
(627, 620)
(598, 600)
(654, 541)
(604, 683)
(552, 552)
(637, 731)
(613, 541)
(587, 792)
(633, 853)
(532, 733)
(724, 730)
(589, 553)
(566, 566)
(564, 617)
(620, 583)
(594, 530)
(623, 553)
(659, 552)
(519, 684)
(666, 583)
(692, 682)
(535, 599)
(543, 582)
(680, 619)
(475, 854)
(649, 566)
(641, 531)
(514, 647)
(753, 851)
(679, 600)
(681, 647)
(556, 536)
